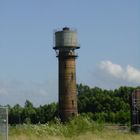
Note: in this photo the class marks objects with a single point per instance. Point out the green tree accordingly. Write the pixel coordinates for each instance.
(15, 114)
(29, 113)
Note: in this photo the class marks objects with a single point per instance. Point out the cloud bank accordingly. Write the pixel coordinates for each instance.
(109, 75)
(128, 74)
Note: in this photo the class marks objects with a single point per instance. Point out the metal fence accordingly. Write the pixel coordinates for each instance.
(3, 123)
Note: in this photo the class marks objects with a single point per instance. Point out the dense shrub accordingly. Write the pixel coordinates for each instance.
(75, 126)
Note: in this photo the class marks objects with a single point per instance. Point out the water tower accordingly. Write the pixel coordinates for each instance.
(65, 46)
(135, 111)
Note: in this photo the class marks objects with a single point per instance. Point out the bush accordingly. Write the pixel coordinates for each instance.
(73, 127)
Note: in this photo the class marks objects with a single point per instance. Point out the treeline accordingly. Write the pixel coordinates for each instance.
(100, 105)
(111, 106)
(31, 114)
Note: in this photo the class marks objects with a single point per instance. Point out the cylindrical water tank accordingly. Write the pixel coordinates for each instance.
(66, 38)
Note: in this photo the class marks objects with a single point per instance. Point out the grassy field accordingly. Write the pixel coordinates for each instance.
(80, 128)
(87, 136)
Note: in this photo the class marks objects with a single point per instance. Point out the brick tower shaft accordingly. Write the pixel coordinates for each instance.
(67, 88)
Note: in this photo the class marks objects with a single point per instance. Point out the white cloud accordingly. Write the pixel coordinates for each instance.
(132, 74)
(110, 68)
(128, 74)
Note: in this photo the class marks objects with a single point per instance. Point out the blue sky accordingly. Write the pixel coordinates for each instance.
(108, 33)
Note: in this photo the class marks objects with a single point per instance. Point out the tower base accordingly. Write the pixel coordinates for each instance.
(65, 116)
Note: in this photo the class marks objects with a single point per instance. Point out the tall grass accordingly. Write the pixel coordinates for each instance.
(79, 128)
(86, 136)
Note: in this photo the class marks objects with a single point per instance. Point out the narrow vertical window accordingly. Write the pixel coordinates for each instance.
(72, 103)
(72, 76)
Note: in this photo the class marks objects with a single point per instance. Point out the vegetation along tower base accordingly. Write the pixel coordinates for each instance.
(65, 45)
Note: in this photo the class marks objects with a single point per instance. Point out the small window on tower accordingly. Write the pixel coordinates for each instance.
(72, 76)
(72, 103)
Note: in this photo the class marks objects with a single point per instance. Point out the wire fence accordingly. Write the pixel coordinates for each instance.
(3, 123)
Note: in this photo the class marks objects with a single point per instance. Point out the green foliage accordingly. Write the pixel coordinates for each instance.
(15, 114)
(30, 114)
(77, 128)
(74, 127)
(106, 105)
(98, 104)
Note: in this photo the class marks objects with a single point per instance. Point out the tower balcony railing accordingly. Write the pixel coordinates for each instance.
(66, 53)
